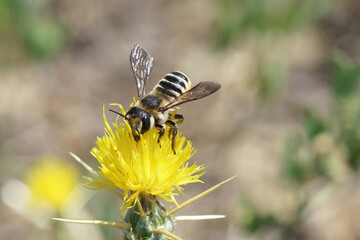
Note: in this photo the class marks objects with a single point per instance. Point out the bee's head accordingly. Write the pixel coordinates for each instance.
(139, 121)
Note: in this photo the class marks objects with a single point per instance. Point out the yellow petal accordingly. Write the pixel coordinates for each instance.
(144, 166)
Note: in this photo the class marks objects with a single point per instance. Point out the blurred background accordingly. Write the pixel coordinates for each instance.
(286, 120)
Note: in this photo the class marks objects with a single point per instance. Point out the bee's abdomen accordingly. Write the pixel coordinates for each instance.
(173, 85)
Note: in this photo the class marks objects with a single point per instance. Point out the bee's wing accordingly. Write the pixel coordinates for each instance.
(141, 64)
(201, 90)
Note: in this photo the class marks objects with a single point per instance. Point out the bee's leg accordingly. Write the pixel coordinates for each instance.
(161, 129)
(136, 135)
(178, 119)
(173, 131)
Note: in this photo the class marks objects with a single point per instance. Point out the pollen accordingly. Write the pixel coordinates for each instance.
(143, 167)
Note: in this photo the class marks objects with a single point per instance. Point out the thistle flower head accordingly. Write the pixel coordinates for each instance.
(143, 167)
(51, 180)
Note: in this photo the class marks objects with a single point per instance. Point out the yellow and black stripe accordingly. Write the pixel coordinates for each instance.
(173, 85)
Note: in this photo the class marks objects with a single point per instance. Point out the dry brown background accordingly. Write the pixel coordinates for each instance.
(55, 105)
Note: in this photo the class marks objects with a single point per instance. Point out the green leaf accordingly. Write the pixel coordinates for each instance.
(313, 124)
(352, 140)
(345, 75)
(293, 170)
(43, 38)
(255, 220)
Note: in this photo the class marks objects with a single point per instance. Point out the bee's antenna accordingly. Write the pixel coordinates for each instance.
(116, 112)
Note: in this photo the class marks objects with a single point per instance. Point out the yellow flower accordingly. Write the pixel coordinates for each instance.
(51, 180)
(143, 167)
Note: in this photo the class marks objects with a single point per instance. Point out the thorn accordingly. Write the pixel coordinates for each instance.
(198, 217)
(167, 233)
(197, 197)
(85, 165)
(141, 210)
(121, 225)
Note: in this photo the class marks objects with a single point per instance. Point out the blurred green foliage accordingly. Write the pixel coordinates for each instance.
(254, 219)
(237, 17)
(293, 166)
(345, 87)
(102, 207)
(313, 124)
(269, 77)
(43, 38)
(328, 148)
(27, 26)
(345, 76)
(300, 164)
(257, 21)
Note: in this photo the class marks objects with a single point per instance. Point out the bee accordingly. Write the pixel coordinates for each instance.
(156, 109)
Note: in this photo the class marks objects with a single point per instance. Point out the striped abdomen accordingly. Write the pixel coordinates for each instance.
(172, 85)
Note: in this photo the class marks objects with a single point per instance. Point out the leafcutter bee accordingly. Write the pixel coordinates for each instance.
(155, 108)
